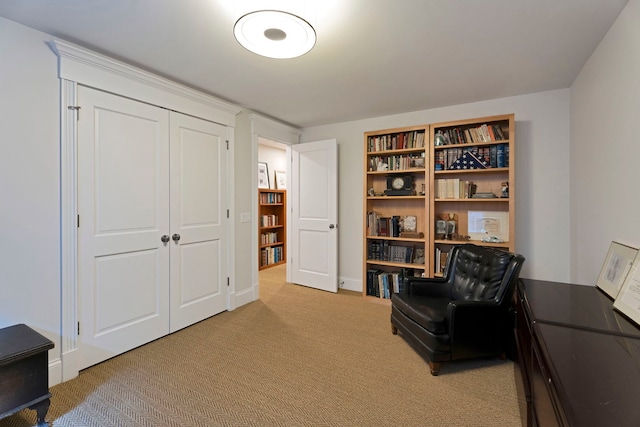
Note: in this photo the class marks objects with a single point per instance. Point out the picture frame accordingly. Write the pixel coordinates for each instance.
(488, 224)
(281, 180)
(628, 299)
(615, 268)
(263, 175)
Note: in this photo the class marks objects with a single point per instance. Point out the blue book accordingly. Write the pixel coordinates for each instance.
(500, 156)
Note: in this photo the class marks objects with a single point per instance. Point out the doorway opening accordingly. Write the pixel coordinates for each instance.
(272, 209)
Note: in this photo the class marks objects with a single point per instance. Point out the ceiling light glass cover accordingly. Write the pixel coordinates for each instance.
(275, 34)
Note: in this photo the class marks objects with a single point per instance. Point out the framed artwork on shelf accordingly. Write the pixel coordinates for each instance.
(281, 180)
(615, 268)
(488, 225)
(263, 175)
(628, 299)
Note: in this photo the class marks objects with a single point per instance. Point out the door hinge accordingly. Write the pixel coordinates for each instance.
(227, 213)
(78, 221)
(227, 144)
(75, 108)
(78, 328)
(227, 281)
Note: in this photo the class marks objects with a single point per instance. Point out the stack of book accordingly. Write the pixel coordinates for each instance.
(382, 250)
(271, 255)
(382, 284)
(382, 226)
(454, 188)
(268, 220)
(396, 141)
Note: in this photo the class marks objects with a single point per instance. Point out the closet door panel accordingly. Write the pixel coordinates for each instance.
(123, 206)
(199, 218)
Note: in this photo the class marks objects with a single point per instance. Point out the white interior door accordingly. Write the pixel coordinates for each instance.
(123, 206)
(198, 220)
(313, 246)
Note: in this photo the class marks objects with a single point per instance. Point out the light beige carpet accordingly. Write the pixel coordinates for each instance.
(296, 357)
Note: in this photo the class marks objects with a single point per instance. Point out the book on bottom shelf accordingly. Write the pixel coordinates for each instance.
(382, 284)
(441, 259)
(271, 255)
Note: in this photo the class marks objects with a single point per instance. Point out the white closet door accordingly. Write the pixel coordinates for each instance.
(123, 203)
(198, 220)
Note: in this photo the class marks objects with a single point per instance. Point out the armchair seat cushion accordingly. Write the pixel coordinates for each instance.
(428, 312)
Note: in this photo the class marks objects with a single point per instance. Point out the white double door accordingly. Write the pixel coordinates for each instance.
(152, 236)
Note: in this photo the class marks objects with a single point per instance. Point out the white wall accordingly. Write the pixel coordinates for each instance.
(274, 157)
(29, 183)
(605, 148)
(541, 189)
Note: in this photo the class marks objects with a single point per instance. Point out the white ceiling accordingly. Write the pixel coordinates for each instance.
(372, 57)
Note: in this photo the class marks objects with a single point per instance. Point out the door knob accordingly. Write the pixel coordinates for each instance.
(175, 237)
(164, 238)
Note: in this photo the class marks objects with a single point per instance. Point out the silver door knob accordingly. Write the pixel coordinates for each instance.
(164, 238)
(175, 237)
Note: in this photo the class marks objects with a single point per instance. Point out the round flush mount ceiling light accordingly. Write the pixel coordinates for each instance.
(275, 34)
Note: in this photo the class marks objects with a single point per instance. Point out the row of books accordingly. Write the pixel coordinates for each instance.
(383, 250)
(271, 198)
(454, 188)
(396, 141)
(268, 220)
(382, 284)
(271, 255)
(394, 163)
(493, 156)
(378, 225)
(458, 135)
(269, 238)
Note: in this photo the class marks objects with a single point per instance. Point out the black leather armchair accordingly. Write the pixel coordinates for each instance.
(465, 314)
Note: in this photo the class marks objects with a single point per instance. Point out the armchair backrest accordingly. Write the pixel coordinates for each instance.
(480, 273)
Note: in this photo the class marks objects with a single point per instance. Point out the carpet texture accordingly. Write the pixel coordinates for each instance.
(295, 357)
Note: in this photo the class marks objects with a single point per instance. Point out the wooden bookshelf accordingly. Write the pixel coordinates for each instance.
(272, 231)
(445, 188)
(491, 140)
(394, 157)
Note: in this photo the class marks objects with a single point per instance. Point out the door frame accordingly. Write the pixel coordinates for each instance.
(263, 127)
(76, 66)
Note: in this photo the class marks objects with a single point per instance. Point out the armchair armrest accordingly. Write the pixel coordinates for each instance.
(423, 286)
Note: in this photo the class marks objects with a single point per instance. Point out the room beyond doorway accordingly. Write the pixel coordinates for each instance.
(272, 204)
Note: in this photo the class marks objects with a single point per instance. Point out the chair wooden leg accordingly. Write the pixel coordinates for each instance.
(434, 367)
(394, 330)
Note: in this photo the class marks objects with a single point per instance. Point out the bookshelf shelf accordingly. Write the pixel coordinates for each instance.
(395, 264)
(495, 200)
(272, 219)
(398, 239)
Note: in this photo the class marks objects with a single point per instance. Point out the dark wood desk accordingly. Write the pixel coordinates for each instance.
(579, 359)
(24, 372)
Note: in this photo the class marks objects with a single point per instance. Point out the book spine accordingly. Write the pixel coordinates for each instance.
(500, 156)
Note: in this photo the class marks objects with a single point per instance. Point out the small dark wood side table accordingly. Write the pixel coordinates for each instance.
(24, 373)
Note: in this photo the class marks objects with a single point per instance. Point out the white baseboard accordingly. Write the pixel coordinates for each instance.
(55, 372)
(241, 298)
(350, 284)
